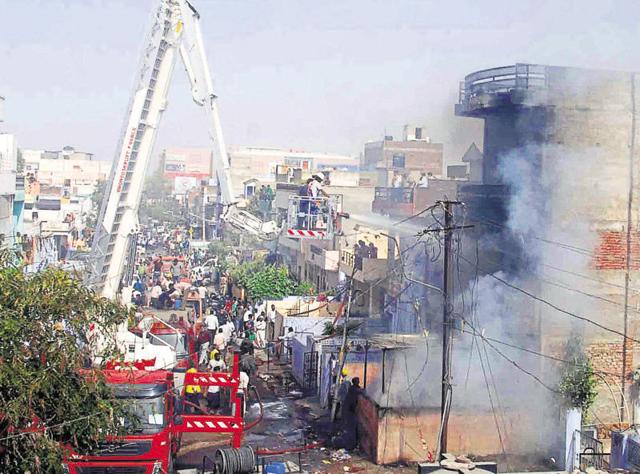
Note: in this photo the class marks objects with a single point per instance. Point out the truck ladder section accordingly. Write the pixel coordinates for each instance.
(233, 424)
(175, 31)
(118, 219)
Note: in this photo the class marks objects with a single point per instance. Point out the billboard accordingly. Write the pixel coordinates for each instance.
(191, 162)
(182, 184)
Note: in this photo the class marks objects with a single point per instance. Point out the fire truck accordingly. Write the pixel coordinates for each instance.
(154, 436)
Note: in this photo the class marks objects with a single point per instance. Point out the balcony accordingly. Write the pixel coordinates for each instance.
(498, 86)
(367, 269)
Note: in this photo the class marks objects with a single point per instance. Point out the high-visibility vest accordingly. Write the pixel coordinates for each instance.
(192, 388)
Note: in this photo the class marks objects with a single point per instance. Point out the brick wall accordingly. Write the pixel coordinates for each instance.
(611, 252)
(607, 357)
(409, 435)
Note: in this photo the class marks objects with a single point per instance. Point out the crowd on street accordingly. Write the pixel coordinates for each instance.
(172, 278)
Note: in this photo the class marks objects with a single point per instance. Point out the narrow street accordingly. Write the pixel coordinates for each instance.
(290, 421)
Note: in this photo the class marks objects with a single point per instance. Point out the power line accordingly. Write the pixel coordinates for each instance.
(533, 352)
(563, 270)
(576, 290)
(542, 239)
(554, 306)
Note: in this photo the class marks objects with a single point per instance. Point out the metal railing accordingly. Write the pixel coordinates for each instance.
(591, 452)
(503, 79)
(313, 213)
(400, 195)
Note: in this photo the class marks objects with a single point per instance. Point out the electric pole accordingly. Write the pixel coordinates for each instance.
(343, 349)
(447, 333)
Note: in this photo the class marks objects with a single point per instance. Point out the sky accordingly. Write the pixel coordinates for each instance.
(310, 75)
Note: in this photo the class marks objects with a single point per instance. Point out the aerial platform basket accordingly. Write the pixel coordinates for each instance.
(313, 218)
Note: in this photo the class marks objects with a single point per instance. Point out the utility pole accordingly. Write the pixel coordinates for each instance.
(343, 349)
(204, 205)
(447, 334)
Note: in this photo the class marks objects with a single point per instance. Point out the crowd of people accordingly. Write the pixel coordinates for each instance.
(171, 275)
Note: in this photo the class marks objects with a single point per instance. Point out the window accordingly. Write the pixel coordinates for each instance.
(418, 133)
(398, 160)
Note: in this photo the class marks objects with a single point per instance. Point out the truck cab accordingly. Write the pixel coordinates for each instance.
(181, 339)
(151, 444)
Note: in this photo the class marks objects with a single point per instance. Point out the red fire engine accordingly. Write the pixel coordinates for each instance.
(154, 438)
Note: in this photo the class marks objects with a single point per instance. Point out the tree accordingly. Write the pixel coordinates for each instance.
(47, 400)
(578, 384)
(264, 281)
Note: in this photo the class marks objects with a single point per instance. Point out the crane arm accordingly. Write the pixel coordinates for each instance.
(175, 30)
(117, 224)
(196, 65)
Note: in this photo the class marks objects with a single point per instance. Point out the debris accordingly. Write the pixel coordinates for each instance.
(346, 468)
(340, 455)
(326, 462)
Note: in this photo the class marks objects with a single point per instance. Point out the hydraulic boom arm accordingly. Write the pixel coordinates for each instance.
(175, 30)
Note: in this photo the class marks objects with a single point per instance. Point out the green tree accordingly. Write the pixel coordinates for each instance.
(578, 384)
(44, 322)
(271, 282)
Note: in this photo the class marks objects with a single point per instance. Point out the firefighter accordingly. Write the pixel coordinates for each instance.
(192, 393)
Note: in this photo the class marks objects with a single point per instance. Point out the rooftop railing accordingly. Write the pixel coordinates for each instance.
(502, 80)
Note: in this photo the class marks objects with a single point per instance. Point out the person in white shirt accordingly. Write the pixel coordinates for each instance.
(220, 341)
(247, 313)
(271, 323)
(155, 293)
(217, 362)
(315, 187)
(227, 330)
(213, 393)
(211, 321)
(202, 291)
(243, 388)
(423, 182)
(261, 329)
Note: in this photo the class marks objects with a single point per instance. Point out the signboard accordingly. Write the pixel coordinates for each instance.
(182, 184)
(191, 162)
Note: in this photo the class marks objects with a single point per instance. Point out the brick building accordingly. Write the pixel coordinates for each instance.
(412, 155)
(562, 141)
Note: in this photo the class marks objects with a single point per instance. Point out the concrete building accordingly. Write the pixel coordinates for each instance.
(564, 143)
(76, 171)
(10, 209)
(411, 156)
(263, 163)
